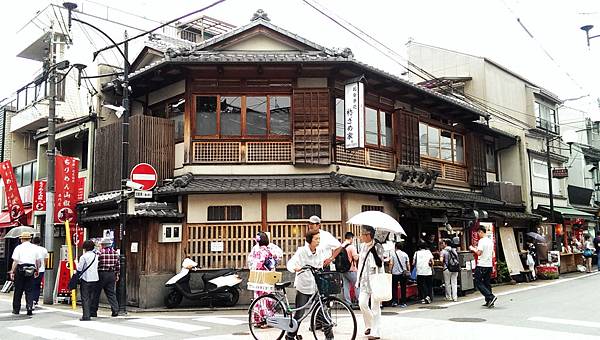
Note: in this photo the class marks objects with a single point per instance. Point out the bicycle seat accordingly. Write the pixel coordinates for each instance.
(282, 285)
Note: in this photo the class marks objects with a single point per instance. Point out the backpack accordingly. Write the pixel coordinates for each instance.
(453, 264)
(342, 261)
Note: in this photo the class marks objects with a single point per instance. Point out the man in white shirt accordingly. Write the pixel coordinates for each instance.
(328, 241)
(37, 282)
(483, 271)
(25, 267)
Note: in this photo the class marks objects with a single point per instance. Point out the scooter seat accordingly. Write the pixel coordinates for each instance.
(212, 275)
(281, 285)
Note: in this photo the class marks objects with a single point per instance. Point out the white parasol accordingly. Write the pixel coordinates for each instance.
(377, 220)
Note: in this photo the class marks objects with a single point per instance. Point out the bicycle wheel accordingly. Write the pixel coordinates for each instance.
(335, 319)
(260, 309)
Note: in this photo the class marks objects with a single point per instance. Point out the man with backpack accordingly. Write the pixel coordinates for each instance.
(449, 257)
(345, 263)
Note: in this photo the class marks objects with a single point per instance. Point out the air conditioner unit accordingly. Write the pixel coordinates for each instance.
(169, 233)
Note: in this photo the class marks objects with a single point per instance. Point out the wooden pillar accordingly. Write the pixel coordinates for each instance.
(188, 122)
(263, 211)
(344, 210)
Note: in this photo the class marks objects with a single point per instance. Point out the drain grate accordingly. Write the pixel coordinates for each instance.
(467, 319)
(241, 333)
(433, 307)
(389, 313)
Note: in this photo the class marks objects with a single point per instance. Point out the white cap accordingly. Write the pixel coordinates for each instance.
(314, 219)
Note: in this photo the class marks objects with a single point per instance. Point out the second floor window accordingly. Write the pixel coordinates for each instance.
(242, 116)
(441, 144)
(545, 117)
(371, 208)
(378, 125)
(225, 213)
(25, 173)
(302, 211)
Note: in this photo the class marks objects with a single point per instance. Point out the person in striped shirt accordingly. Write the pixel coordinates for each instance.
(108, 271)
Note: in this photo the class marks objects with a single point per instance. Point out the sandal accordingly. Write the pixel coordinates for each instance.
(367, 331)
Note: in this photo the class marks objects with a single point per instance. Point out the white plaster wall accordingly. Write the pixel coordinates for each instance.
(198, 206)
(179, 154)
(356, 201)
(312, 82)
(260, 43)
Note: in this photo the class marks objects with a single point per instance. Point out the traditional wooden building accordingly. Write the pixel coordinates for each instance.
(258, 117)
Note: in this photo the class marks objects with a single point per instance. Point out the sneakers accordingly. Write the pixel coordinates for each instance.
(427, 300)
(491, 303)
(402, 305)
(29, 312)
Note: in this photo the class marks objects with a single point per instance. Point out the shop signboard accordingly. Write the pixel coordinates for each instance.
(560, 173)
(67, 174)
(13, 198)
(354, 115)
(39, 195)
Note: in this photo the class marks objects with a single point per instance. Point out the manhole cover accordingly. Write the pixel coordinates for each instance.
(467, 319)
(241, 333)
(15, 317)
(389, 313)
(433, 307)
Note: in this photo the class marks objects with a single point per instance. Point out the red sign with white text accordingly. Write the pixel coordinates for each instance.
(67, 173)
(13, 198)
(39, 195)
(80, 189)
(145, 175)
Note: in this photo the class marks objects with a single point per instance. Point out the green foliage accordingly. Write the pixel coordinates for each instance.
(502, 273)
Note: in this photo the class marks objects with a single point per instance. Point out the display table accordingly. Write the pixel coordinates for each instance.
(569, 262)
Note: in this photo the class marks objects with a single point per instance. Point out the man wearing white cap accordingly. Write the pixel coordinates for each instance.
(108, 272)
(26, 263)
(328, 241)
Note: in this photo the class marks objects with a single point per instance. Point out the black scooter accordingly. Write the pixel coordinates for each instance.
(219, 288)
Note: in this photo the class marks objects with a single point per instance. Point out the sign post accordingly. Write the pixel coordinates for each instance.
(71, 264)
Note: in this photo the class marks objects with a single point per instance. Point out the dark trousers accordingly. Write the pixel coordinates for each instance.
(23, 284)
(37, 286)
(482, 282)
(107, 282)
(402, 280)
(88, 291)
(425, 284)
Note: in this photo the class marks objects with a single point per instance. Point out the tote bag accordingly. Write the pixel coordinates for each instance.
(381, 285)
(413, 272)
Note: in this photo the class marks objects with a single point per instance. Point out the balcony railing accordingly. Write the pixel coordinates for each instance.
(242, 152)
(369, 158)
(446, 170)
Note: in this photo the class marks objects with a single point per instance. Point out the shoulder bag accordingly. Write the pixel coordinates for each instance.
(76, 278)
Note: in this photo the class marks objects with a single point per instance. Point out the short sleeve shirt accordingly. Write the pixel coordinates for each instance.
(423, 257)
(43, 254)
(328, 242)
(399, 258)
(487, 251)
(26, 253)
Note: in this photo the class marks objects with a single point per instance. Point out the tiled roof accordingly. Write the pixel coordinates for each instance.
(420, 203)
(448, 195)
(101, 198)
(146, 209)
(162, 43)
(516, 215)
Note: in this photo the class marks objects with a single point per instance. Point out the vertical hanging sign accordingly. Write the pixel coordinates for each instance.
(13, 198)
(354, 114)
(67, 173)
(39, 195)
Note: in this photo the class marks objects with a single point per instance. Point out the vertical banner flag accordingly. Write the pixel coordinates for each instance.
(80, 189)
(67, 173)
(13, 198)
(354, 115)
(39, 195)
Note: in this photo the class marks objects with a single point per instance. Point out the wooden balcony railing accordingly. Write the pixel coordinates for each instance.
(446, 170)
(242, 152)
(370, 158)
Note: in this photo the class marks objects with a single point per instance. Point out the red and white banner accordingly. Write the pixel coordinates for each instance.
(39, 195)
(80, 189)
(13, 198)
(67, 173)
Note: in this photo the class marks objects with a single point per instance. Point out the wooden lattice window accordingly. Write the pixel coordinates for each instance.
(302, 211)
(224, 213)
(366, 207)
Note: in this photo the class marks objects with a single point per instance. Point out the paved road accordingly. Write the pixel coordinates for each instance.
(562, 309)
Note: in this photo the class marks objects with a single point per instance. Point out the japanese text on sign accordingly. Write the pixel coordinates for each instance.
(67, 174)
(354, 115)
(13, 198)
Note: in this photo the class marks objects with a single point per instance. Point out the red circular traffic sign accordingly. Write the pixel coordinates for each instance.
(145, 175)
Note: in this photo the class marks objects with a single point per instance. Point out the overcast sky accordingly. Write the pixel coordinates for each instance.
(548, 48)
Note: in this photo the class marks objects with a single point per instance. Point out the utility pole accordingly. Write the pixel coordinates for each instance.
(549, 164)
(49, 276)
(124, 176)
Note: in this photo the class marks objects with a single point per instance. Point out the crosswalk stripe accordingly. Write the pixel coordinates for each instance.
(122, 331)
(220, 320)
(37, 311)
(219, 337)
(180, 326)
(590, 324)
(45, 333)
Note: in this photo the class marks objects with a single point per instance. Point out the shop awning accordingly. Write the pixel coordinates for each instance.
(516, 215)
(566, 213)
(5, 221)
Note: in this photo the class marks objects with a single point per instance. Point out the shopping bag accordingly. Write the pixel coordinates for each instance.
(381, 286)
(413, 274)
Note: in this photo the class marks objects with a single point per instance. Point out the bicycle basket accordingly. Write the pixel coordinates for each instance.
(329, 283)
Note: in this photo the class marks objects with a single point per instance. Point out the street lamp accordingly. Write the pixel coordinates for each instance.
(587, 29)
(125, 152)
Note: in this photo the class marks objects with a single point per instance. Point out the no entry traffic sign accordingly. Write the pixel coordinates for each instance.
(145, 175)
